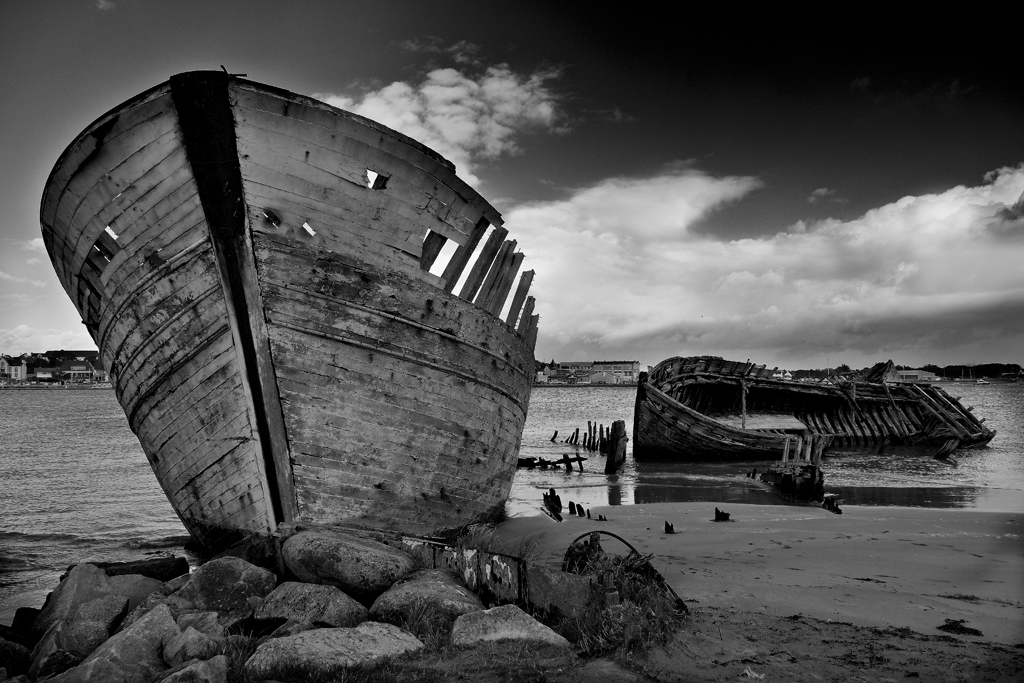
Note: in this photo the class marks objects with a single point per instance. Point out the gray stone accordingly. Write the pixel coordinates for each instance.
(326, 651)
(187, 645)
(176, 604)
(73, 638)
(290, 628)
(214, 670)
(14, 657)
(175, 584)
(226, 584)
(87, 582)
(501, 623)
(134, 654)
(204, 622)
(434, 594)
(361, 568)
(313, 604)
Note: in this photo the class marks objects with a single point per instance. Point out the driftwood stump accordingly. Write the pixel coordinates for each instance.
(616, 447)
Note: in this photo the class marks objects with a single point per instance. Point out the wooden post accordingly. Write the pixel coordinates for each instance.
(743, 404)
(616, 447)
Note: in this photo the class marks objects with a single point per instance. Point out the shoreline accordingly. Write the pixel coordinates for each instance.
(879, 567)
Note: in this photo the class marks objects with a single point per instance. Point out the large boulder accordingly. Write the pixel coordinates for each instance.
(226, 585)
(87, 582)
(502, 623)
(326, 651)
(189, 644)
(424, 599)
(134, 654)
(214, 670)
(14, 657)
(73, 638)
(204, 622)
(313, 604)
(361, 568)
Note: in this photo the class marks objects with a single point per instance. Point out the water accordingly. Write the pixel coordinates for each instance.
(986, 479)
(75, 485)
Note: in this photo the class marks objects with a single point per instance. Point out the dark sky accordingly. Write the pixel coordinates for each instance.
(780, 187)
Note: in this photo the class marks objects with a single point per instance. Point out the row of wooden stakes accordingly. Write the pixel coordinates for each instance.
(611, 442)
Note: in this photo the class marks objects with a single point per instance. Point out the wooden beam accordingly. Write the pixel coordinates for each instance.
(525, 280)
(208, 129)
(483, 264)
(432, 245)
(457, 264)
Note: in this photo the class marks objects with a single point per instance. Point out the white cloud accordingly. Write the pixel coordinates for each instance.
(7, 277)
(105, 5)
(618, 272)
(25, 339)
(464, 118)
(35, 245)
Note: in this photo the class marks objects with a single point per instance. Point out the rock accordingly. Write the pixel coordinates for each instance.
(424, 598)
(312, 604)
(87, 582)
(290, 628)
(500, 623)
(361, 568)
(176, 604)
(159, 568)
(204, 622)
(214, 670)
(73, 638)
(134, 654)
(14, 657)
(175, 584)
(23, 620)
(187, 645)
(326, 651)
(11, 635)
(226, 584)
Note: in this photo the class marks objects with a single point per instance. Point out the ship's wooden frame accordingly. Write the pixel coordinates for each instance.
(707, 408)
(254, 266)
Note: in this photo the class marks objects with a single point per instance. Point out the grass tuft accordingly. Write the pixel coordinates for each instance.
(648, 613)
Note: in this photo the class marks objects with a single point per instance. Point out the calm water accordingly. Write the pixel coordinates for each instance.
(75, 485)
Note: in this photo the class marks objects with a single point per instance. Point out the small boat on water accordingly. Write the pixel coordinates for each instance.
(707, 408)
(257, 269)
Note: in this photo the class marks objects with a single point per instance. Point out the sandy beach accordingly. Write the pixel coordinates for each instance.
(802, 581)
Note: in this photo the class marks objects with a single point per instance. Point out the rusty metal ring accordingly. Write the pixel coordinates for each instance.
(565, 558)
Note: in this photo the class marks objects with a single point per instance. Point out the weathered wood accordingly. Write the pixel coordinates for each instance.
(617, 447)
(460, 259)
(432, 245)
(483, 264)
(501, 260)
(267, 314)
(525, 280)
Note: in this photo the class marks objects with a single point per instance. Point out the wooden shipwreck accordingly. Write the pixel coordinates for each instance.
(707, 408)
(254, 266)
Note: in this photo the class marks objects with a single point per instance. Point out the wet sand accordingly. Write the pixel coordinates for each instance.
(871, 566)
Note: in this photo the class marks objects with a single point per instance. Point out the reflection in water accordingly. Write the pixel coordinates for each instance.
(989, 478)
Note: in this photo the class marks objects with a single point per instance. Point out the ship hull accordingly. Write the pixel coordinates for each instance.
(707, 408)
(268, 316)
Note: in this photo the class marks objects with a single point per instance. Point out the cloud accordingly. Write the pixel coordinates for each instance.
(823, 193)
(34, 245)
(465, 118)
(25, 339)
(820, 194)
(105, 5)
(7, 277)
(619, 272)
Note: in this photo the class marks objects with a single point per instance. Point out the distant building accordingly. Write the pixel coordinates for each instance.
(917, 376)
(625, 371)
(76, 371)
